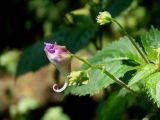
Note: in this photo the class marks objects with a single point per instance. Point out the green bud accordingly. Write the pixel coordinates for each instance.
(78, 78)
(104, 17)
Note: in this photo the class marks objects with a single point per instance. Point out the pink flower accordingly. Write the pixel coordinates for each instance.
(61, 58)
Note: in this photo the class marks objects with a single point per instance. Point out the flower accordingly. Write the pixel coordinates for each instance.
(104, 17)
(61, 58)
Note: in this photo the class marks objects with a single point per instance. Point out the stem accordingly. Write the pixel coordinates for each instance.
(116, 80)
(132, 41)
(159, 61)
(81, 59)
(107, 73)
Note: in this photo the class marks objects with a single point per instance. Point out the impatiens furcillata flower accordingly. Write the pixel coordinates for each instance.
(61, 58)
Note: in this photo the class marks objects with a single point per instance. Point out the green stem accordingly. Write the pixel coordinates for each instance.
(132, 41)
(107, 73)
(159, 61)
(116, 80)
(81, 59)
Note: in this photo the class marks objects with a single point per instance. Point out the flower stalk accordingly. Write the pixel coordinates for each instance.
(132, 41)
(105, 17)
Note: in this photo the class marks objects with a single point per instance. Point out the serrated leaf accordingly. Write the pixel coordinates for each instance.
(152, 85)
(98, 80)
(151, 42)
(140, 75)
(112, 58)
(73, 37)
(121, 49)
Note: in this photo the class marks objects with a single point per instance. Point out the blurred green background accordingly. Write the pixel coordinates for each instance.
(26, 77)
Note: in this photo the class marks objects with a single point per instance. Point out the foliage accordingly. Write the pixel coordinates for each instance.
(152, 85)
(73, 24)
(55, 113)
(8, 60)
(116, 5)
(113, 108)
(73, 37)
(97, 80)
(151, 43)
(146, 74)
(112, 58)
(22, 109)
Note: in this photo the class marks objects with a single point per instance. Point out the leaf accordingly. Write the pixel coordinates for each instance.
(98, 80)
(152, 86)
(117, 6)
(31, 59)
(113, 108)
(140, 75)
(151, 42)
(73, 37)
(112, 58)
(121, 49)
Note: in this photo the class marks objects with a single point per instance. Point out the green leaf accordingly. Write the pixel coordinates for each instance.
(121, 49)
(112, 58)
(140, 75)
(143, 73)
(113, 108)
(73, 37)
(31, 59)
(98, 80)
(151, 42)
(117, 6)
(152, 85)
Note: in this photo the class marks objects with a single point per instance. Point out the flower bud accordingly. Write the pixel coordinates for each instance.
(78, 78)
(61, 58)
(104, 17)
